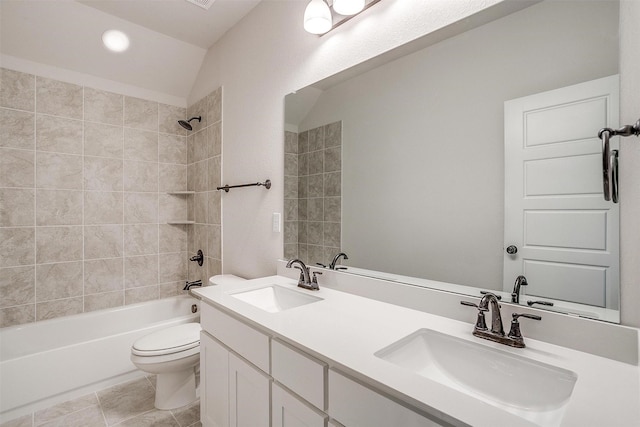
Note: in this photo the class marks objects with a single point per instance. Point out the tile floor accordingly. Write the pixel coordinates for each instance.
(128, 404)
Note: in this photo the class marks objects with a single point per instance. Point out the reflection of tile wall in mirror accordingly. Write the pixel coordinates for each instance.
(313, 160)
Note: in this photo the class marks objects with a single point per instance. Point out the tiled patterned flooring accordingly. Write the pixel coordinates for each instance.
(124, 405)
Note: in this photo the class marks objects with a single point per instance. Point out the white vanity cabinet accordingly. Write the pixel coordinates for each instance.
(249, 379)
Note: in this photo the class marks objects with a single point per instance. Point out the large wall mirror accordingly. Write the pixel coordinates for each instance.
(427, 168)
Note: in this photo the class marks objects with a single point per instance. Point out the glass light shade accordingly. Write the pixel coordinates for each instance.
(348, 7)
(317, 17)
(115, 40)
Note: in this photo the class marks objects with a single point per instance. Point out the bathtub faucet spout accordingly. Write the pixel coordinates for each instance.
(188, 285)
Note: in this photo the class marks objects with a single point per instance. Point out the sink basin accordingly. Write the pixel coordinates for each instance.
(530, 389)
(275, 298)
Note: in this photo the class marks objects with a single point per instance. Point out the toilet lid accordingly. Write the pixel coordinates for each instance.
(170, 340)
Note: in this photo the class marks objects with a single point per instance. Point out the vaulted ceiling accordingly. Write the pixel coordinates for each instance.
(169, 38)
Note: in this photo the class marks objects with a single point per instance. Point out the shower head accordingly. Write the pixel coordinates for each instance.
(186, 125)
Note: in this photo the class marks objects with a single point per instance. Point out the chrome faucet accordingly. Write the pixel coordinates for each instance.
(496, 334)
(305, 280)
(336, 258)
(515, 295)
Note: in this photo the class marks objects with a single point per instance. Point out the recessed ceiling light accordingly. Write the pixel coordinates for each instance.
(115, 40)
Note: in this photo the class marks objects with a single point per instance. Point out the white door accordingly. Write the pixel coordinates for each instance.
(249, 404)
(555, 214)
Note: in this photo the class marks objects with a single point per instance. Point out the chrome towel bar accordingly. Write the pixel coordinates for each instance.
(610, 159)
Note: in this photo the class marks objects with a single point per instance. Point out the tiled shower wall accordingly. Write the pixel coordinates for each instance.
(204, 147)
(313, 202)
(84, 177)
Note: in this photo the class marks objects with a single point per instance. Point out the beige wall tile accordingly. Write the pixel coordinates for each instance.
(303, 142)
(58, 134)
(333, 134)
(315, 209)
(213, 207)
(58, 207)
(17, 168)
(140, 239)
(16, 207)
(290, 209)
(291, 250)
(59, 171)
(140, 208)
(58, 244)
(172, 207)
(140, 176)
(140, 271)
(316, 139)
(332, 234)
(316, 162)
(291, 164)
(103, 107)
(214, 242)
(290, 187)
(17, 286)
(142, 294)
(199, 109)
(17, 246)
(171, 289)
(58, 308)
(316, 254)
(315, 233)
(140, 145)
(332, 184)
(168, 116)
(102, 207)
(93, 302)
(103, 241)
(332, 209)
(173, 238)
(140, 114)
(214, 106)
(103, 140)
(17, 90)
(103, 174)
(17, 129)
(173, 267)
(59, 98)
(316, 186)
(58, 281)
(290, 142)
(172, 177)
(214, 139)
(213, 173)
(172, 149)
(200, 149)
(17, 315)
(333, 159)
(290, 232)
(103, 275)
(200, 208)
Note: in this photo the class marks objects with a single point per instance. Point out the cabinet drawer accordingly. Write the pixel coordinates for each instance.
(287, 410)
(243, 339)
(356, 405)
(299, 372)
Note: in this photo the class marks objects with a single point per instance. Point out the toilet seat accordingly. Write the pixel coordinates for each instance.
(171, 340)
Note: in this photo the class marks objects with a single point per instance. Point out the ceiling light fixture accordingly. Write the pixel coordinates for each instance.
(348, 7)
(322, 16)
(115, 41)
(317, 17)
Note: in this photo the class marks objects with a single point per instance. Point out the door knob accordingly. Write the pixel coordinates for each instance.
(512, 249)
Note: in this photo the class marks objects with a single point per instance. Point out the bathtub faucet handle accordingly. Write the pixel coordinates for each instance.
(188, 285)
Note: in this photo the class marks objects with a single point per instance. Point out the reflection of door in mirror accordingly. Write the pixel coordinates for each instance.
(555, 213)
(313, 191)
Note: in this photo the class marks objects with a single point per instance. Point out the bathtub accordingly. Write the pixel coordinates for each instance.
(55, 360)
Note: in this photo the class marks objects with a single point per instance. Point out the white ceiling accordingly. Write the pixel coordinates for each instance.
(169, 38)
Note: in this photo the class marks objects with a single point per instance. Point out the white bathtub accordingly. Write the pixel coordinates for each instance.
(51, 361)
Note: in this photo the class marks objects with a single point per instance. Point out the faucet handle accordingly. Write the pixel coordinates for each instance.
(514, 332)
(321, 265)
(315, 279)
(481, 323)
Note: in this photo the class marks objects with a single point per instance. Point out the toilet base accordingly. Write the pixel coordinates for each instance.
(175, 389)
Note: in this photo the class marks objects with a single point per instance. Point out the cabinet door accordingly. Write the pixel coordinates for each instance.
(214, 383)
(288, 411)
(248, 395)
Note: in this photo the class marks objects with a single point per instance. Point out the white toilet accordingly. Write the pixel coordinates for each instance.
(172, 354)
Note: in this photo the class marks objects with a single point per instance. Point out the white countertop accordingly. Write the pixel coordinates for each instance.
(345, 331)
